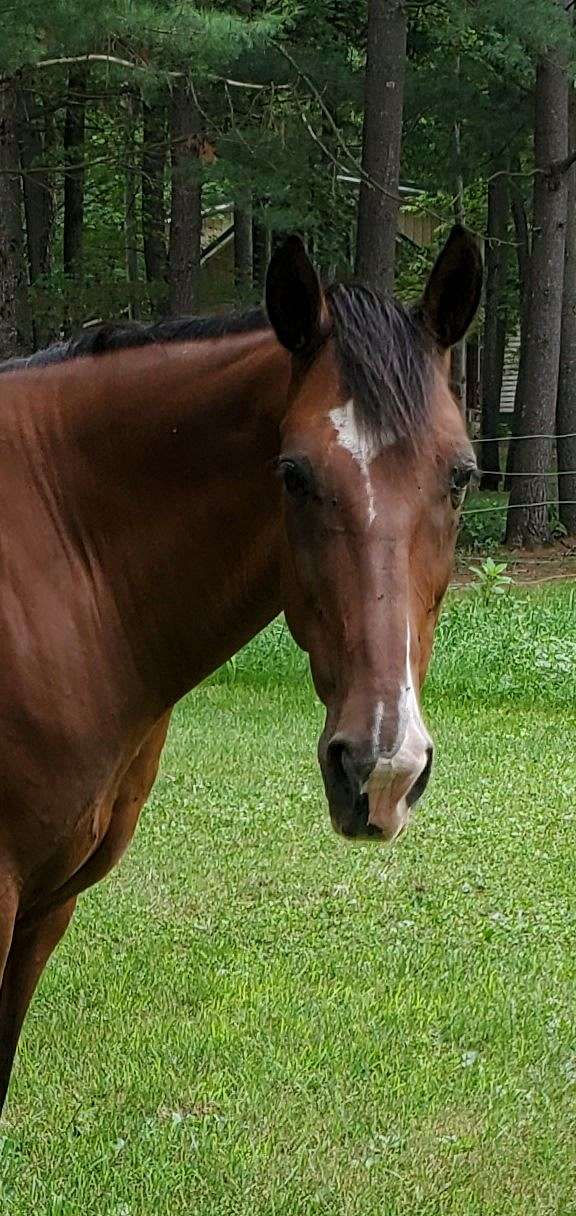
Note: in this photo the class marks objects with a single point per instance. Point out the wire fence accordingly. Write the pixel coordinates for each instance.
(553, 473)
(547, 473)
(522, 506)
(519, 438)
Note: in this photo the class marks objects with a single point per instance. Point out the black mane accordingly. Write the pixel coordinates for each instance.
(382, 349)
(124, 335)
(385, 358)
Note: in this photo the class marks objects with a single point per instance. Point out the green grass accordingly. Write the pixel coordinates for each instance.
(252, 1018)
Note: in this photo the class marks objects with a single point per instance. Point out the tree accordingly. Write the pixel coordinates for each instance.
(14, 318)
(154, 148)
(382, 138)
(186, 201)
(494, 326)
(132, 180)
(243, 246)
(79, 66)
(523, 255)
(527, 522)
(566, 406)
(36, 136)
(74, 132)
(261, 251)
(280, 95)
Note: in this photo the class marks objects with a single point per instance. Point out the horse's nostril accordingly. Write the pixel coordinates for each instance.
(336, 756)
(422, 781)
(349, 765)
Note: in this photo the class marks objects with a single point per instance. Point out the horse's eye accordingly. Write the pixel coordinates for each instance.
(461, 477)
(296, 479)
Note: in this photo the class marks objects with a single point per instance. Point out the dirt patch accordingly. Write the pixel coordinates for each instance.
(548, 564)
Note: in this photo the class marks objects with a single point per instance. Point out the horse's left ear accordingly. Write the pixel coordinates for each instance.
(294, 300)
(453, 291)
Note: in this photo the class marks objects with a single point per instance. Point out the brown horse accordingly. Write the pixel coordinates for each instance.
(159, 505)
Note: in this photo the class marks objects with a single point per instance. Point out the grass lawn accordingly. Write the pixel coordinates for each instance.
(253, 1018)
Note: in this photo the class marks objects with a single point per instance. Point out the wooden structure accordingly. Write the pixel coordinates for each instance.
(217, 288)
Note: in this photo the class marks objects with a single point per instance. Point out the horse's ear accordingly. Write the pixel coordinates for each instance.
(453, 291)
(294, 300)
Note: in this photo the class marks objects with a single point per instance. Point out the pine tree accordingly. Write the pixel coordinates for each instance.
(14, 314)
(566, 405)
(494, 325)
(383, 111)
(527, 522)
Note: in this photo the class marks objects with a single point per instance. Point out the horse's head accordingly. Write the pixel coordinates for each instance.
(375, 462)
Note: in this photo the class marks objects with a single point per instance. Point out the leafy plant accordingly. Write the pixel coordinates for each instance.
(483, 522)
(491, 579)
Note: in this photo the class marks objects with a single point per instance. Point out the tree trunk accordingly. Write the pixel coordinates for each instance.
(540, 355)
(472, 384)
(154, 142)
(382, 141)
(494, 329)
(458, 355)
(261, 253)
(243, 250)
(566, 405)
(15, 335)
(131, 183)
(186, 204)
(36, 135)
(74, 133)
(523, 253)
(458, 374)
(35, 144)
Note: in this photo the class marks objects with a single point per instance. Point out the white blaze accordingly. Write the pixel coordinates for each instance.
(378, 718)
(411, 724)
(361, 446)
(395, 774)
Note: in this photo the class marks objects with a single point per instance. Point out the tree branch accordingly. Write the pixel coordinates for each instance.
(557, 168)
(357, 165)
(92, 57)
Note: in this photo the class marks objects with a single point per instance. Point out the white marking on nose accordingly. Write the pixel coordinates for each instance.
(378, 717)
(396, 772)
(361, 445)
(410, 716)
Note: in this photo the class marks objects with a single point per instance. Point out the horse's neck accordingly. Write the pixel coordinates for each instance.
(176, 493)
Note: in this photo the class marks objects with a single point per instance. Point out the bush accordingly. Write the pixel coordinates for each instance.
(483, 522)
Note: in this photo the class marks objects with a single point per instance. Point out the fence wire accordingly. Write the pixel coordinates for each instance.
(549, 473)
(525, 506)
(519, 438)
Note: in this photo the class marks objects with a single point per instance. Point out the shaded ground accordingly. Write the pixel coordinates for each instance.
(551, 563)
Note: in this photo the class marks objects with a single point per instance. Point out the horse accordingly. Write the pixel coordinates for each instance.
(165, 492)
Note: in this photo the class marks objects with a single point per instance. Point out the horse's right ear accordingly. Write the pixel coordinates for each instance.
(294, 300)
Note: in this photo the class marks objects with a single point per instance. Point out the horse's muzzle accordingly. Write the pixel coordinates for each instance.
(370, 795)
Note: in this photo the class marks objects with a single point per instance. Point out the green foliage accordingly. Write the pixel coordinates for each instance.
(490, 579)
(293, 136)
(483, 522)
